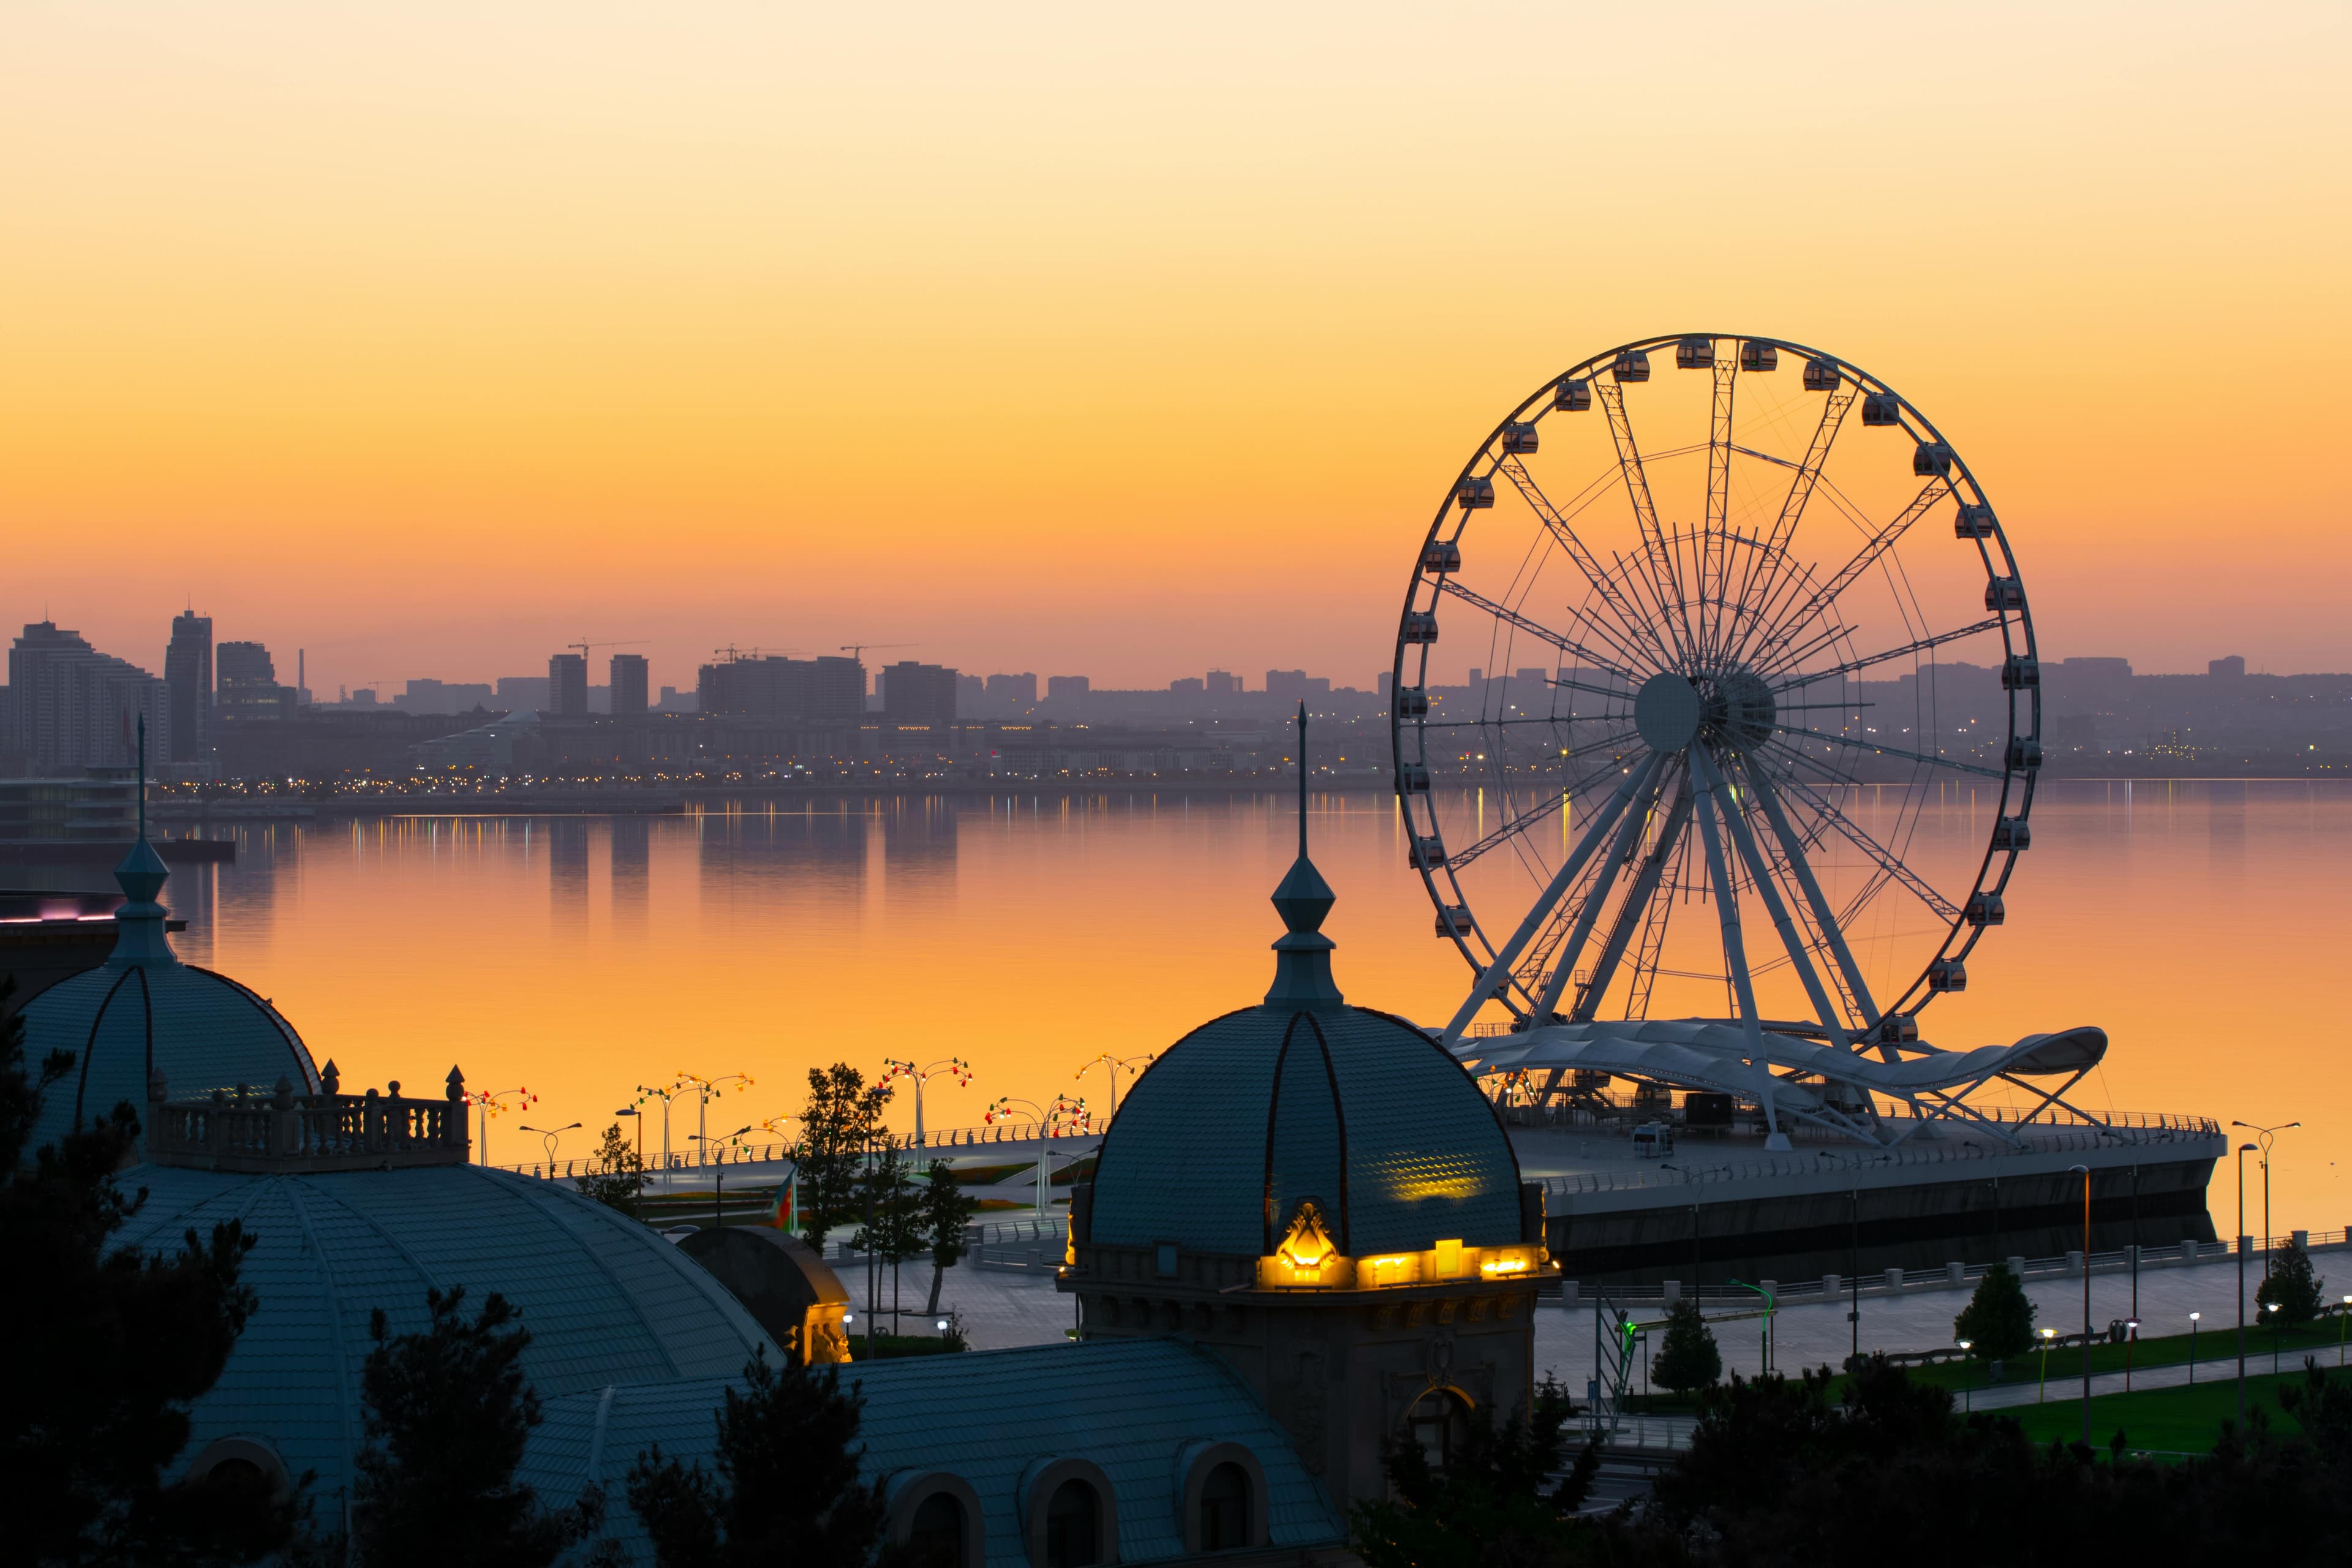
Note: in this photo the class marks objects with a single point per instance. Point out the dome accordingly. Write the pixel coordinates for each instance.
(142, 1012)
(1233, 1127)
(606, 1299)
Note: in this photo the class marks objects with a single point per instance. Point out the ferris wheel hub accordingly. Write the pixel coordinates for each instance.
(1741, 712)
(1667, 713)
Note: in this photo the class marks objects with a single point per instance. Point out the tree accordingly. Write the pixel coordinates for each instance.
(893, 1214)
(947, 1211)
(109, 1348)
(448, 1413)
(838, 1126)
(785, 1486)
(1491, 1501)
(1688, 1358)
(2291, 1284)
(1998, 1321)
(617, 1174)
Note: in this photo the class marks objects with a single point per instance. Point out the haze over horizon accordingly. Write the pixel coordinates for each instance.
(1119, 344)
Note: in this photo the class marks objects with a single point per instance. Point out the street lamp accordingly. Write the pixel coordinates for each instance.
(1111, 1065)
(2042, 1392)
(487, 1102)
(631, 1111)
(550, 1137)
(2271, 1308)
(2243, 1150)
(1064, 1111)
(718, 1170)
(2192, 1347)
(1968, 1348)
(705, 1091)
(955, 1068)
(664, 1093)
(2131, 1337)
(2266, 1136)
(2341, 1319)
(2086, 1301)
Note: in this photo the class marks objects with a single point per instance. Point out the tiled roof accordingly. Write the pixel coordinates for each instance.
(123, 1021)
(605, 1300)
(1189, 1158)
(988, 1416)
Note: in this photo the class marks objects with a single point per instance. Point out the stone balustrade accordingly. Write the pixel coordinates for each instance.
(280, 1131)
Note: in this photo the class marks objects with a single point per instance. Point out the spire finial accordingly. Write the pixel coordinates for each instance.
(1302, 779)
(1302, 971)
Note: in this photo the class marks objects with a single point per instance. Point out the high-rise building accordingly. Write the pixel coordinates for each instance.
(188, 674)
(2228, 668)
(246, 684)
(567, 686)
(1014, 691)
(72, 707)
(1061, 686)
(1223, 683)
(1288, 684)
(971, 693)
(1187, 685)
(915, 693)
(777, 690)
(629, 688)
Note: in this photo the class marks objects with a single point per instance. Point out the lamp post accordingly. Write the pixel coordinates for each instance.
(2271, 1308)
(664, 1093)
(552, 1136)
(1064, 1111)
(2341, 1319)
(1764, 1331)
(2192, 1347)
(631, 1112)
(1111, 1065)
(955, 1068)
(705, 1091)
(2131, 1337)
(2266, 1136)
(2042, 1392)
(2243, 1150)
(2086, 1301)
(719, 1172)
(1968, 1352)
(487, 1104)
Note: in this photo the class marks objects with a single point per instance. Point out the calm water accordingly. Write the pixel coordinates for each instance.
(2201, 923)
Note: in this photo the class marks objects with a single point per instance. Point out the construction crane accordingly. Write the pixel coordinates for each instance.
(857, 650)
(730, 653)
(584, 647)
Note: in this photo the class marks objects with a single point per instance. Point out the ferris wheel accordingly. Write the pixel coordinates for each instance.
(1715, 699)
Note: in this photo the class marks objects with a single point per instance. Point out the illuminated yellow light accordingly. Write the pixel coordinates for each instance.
(1306, 1247)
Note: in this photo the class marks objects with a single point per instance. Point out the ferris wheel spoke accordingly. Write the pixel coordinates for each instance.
(1712, 793)
(1536, 629)
(1632, 628)
(1664, 571)
(1553, 801)
(1812, 677)
(1800, 493)
(1828, 594)
(1823, 806)
(1634, 914)
(1557, 720)
(1826, 919)
(1713, 565)
(1539, 912)
(1875, 749)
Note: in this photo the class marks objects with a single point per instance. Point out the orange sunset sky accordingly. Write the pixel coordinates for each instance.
(1119, 340)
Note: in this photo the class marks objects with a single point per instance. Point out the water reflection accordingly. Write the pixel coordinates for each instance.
(1026, 934)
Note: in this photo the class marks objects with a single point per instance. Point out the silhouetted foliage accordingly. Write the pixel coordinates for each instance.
(1493, 1502)
(448, 1413)
(108, 1347)
(784, 1486)
(1688, 1357)
(2293, 1286)
(617, 1174)
(839, 1124)
(1998, 1321)
(947, 1210)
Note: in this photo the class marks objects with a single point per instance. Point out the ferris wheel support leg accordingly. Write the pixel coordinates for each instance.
(1628, 833)
(1759, 780)
(1735, 949)
(1633, 914)
(1832, 1023)
(1499, 972)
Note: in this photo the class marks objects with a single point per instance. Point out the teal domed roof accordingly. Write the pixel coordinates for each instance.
(1304, 1097)
(144, 1013)
(606, 1300)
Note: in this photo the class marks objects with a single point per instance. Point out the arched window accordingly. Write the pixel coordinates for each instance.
(1225, 1509)
(1438, 1421)
(936, 1538)
(1072, 1526)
